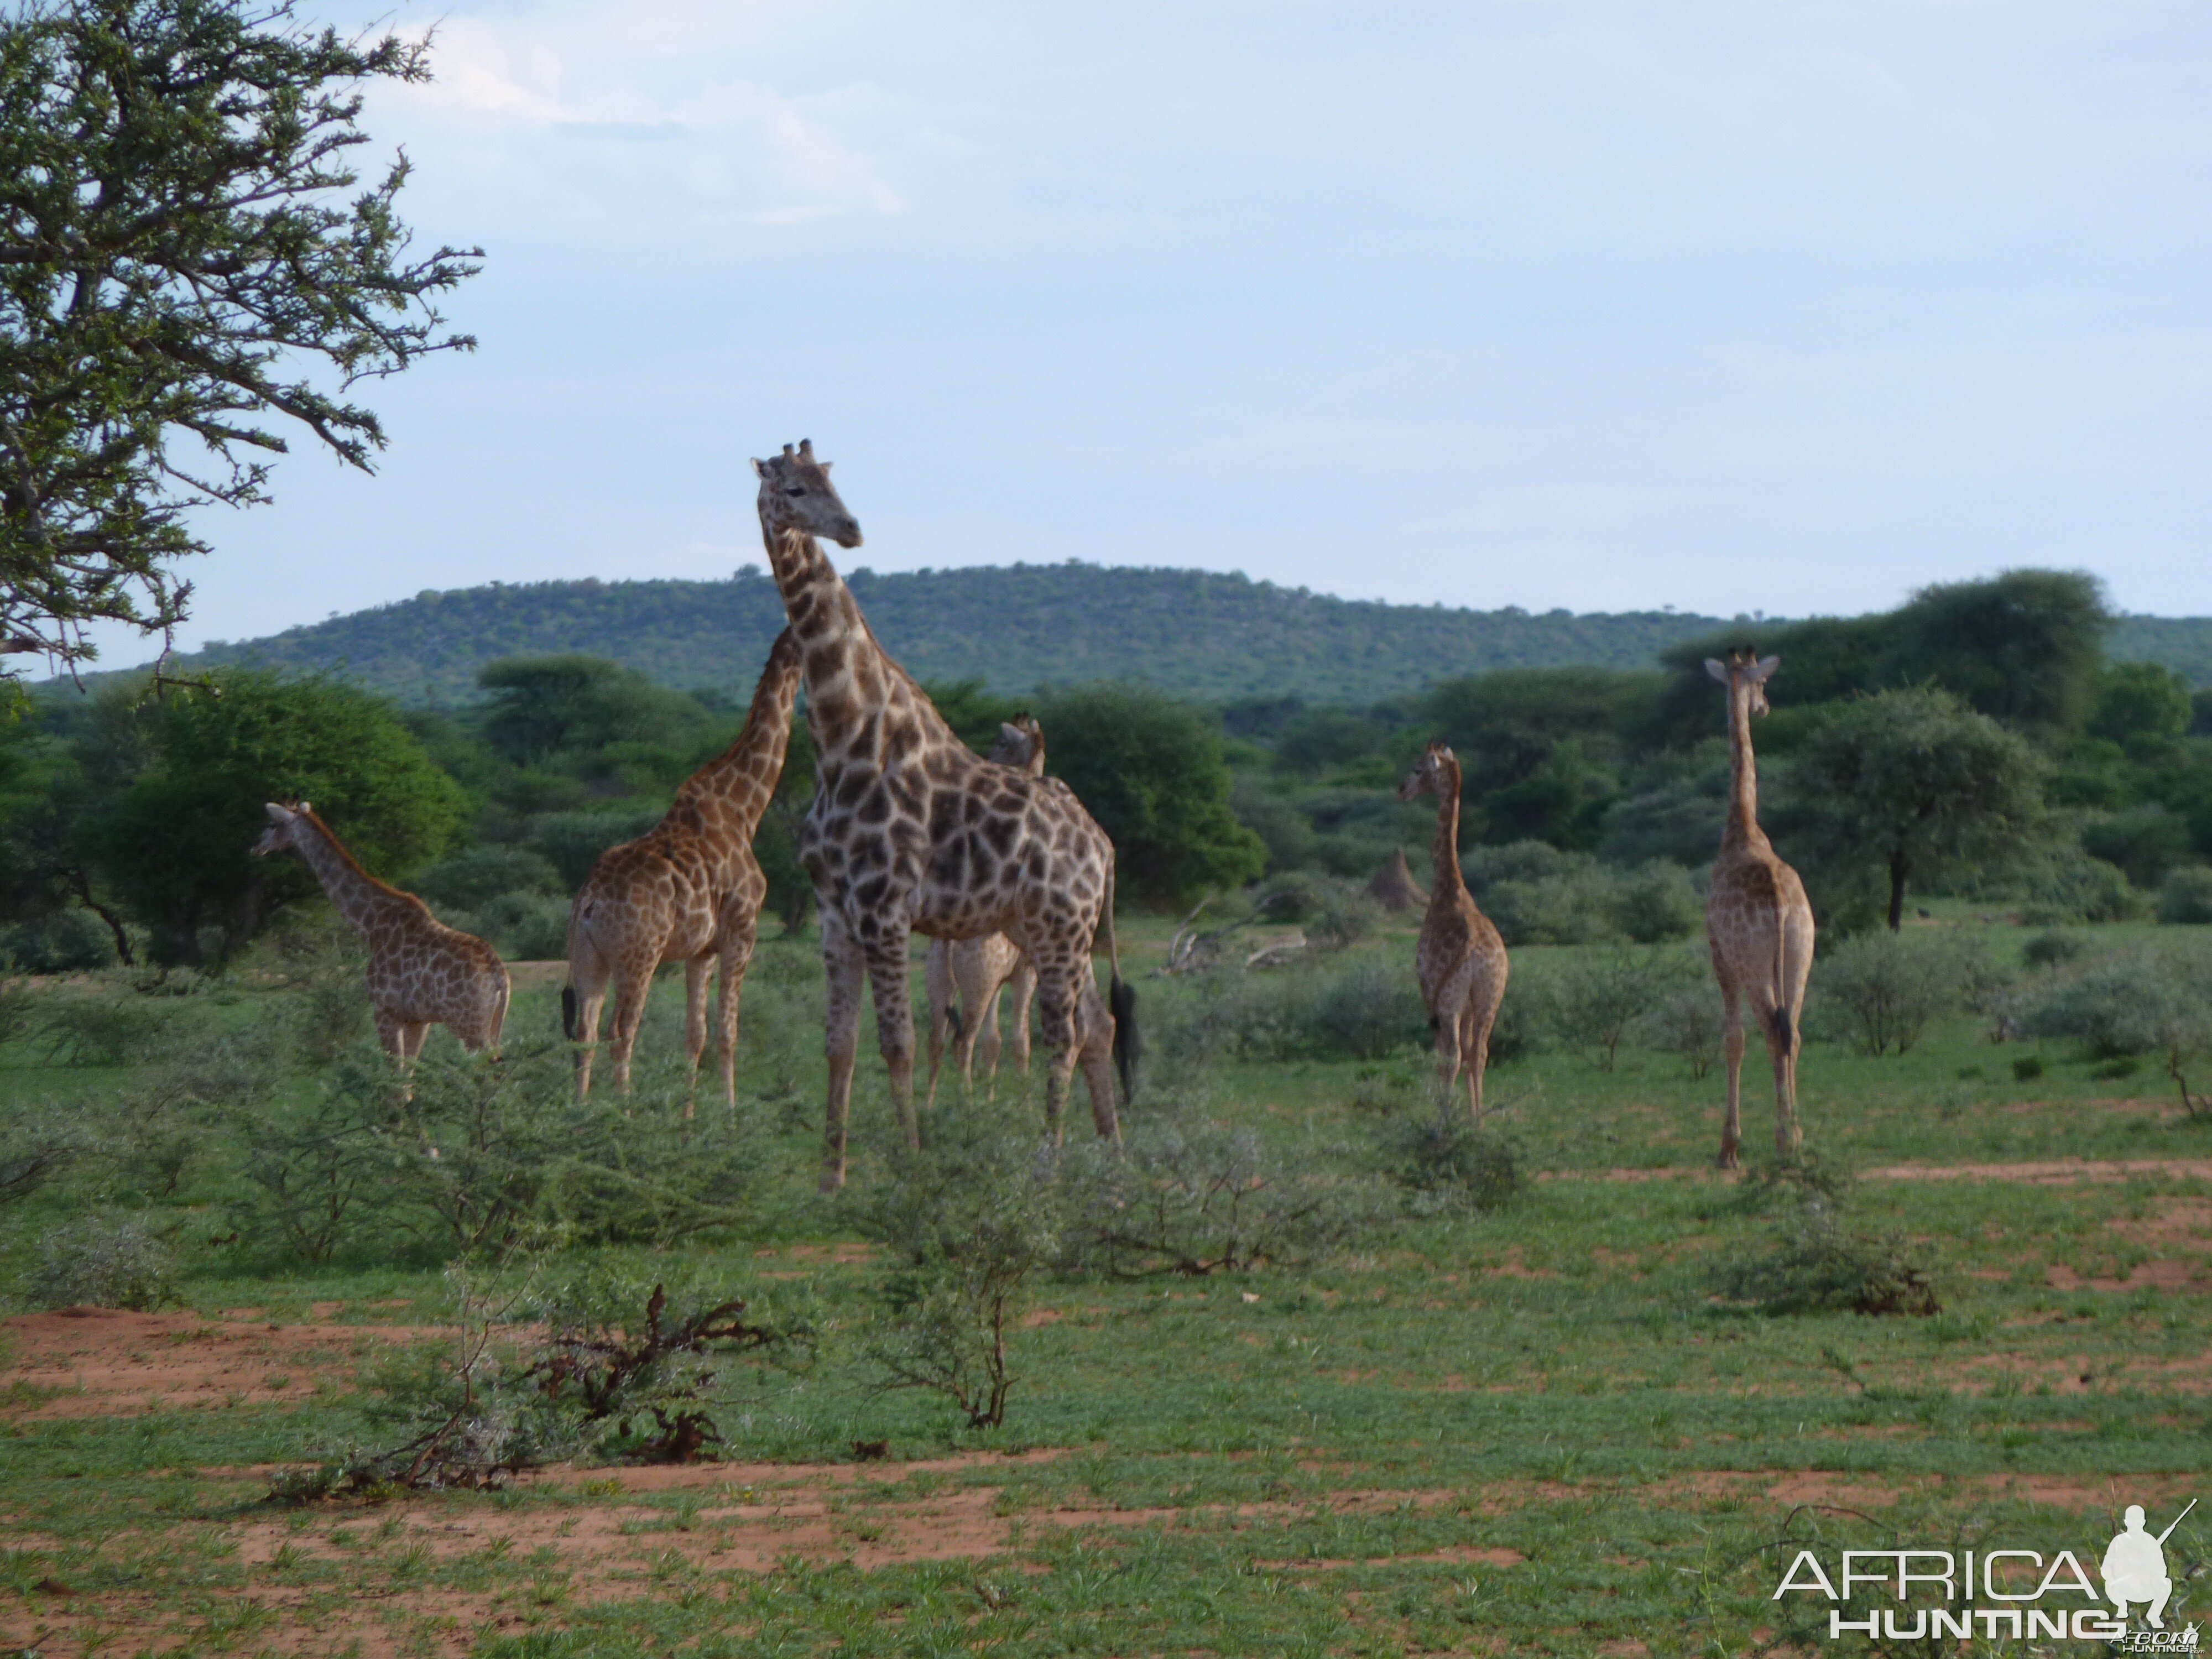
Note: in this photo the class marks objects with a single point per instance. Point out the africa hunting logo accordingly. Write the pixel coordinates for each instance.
(2133, 1570)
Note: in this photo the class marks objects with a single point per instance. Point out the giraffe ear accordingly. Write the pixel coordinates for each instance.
(1763, 670)
(1718, 669)
(276, 814)
(759, 471)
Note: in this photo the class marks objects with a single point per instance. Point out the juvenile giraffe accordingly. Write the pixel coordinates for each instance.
(976, 971)
(912, 832)
(1757, 921)
(421, 972)
(689, 890)
(1460, 960)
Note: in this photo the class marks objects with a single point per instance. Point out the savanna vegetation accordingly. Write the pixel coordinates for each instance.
(305, 1358)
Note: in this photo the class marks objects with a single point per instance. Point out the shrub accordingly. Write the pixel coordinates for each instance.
(1811, 1264)
(1443, 1157)
(36, 1144)
(1987, 987)
(103, 1261)
(1370, 1010)
(108, 1027)
(1193, 1197)
(1657, 903)
(974, 1216)
(1603, 994)
(2185, 896)
(572, 841)
(471, 880)
(525, 927)
(64, 942)
(1882, 989)
(1687, 1022)
(2135, 1001)
(2050, 948)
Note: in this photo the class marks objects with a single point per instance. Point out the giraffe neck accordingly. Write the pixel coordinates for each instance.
(1447, 880)
(744, 775)
(358, 896)
(852, 686)
(1742, 828)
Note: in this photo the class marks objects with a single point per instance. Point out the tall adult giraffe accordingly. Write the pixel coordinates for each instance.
(1461, 958)
(688, 890)
(912, 832)
(421, 972)
(1757, 921)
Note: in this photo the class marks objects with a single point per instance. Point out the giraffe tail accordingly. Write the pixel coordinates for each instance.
(1120, 1001)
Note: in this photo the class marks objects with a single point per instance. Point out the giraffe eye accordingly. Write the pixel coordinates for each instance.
(795, 489)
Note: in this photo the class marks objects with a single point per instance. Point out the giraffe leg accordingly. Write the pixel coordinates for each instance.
(986, 1047)
(695, 972)
(1096, 1059)
(737, 955)
(1780, 1026)
(840, 962)
(1057, 1015)
(1021, 992)
(1732, 1051)
(391, 1034)
(1475, 1051)
(587, 994)
(889, 970)
(1451, 1021)
(633, 984)
(937, 984)
(411, 1037)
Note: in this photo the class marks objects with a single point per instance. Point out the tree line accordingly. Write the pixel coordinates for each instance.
(1975, 740)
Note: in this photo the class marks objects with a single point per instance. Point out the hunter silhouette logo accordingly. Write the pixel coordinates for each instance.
(2134, 1566)
(2013, 1594)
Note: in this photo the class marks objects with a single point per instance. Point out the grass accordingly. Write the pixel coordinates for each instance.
(1529, 1431)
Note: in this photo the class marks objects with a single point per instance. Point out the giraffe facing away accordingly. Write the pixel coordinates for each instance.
(689, 889)
(421, 972)
(912, 832)
(1460, 960)
(1757, 921)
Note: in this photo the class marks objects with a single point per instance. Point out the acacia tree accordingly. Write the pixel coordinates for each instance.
(183, 281)
(174, 841)
(1912, 782)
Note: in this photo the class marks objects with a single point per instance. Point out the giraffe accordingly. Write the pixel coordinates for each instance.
(421, 972)
(1757, 921)
(912, 832)
(976, 971)
(689, 890)
(1460, 960)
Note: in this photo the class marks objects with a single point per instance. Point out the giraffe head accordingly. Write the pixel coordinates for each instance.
(1436, 773)
(1020, 745)
(286, 819)
(1744, 669)
(796, 494)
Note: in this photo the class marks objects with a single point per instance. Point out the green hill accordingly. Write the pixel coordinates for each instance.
(1197, 634)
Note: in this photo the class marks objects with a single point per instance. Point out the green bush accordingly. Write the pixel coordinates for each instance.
(1367, 1011)
(1656, 902)
(1602, 995)
(2143, 999)
(2185, 896)
(64, 942)
(1812, 1264)
(109, 1026)
(102, 1261)
(572, 841)
(1444, 1159)
(1687, 1021)
(1880, 989)
(526, 927)
(1191, 1196)
(2050, 948)
(471, 880)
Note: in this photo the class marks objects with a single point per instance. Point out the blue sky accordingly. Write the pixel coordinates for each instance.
(1743, 305)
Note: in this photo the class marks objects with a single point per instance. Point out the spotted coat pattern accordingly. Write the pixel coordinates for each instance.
(421, 972)
(912, 832)
(1461, 958)
(690, 889)
(1758, 922)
